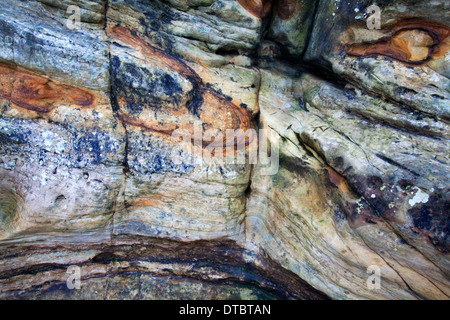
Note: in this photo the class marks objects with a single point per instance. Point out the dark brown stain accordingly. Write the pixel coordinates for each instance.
(258, 8)
(285, 9)
(432, 220)
(411, 41)
(37, 93)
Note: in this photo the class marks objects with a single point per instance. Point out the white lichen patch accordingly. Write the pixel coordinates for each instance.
(419, 197)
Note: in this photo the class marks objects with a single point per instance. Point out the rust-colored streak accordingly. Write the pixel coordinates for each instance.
(156, 56)
(339, 181)
(412, 42)
(258, 8)
(6, 81)
(166, 129)
(37, 93)
(151, 200)
(232, 116)
(285, 9)
(216, 112)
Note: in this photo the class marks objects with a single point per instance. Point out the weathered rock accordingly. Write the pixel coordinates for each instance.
(34, 35)
(291, 25)
(111, 135)
(332, 190)
(377, 60)
(146, 268)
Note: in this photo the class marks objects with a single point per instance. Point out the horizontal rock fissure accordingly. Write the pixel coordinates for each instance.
(219, 262)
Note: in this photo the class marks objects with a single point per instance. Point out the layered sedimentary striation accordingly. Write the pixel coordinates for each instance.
(94, 174)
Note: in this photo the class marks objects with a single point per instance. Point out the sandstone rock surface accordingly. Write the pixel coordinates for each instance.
(93, 174)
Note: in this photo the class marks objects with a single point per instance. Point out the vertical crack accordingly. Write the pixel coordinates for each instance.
(247, 192)
(115, 108)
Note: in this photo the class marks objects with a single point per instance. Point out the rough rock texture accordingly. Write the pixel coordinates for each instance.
(92, 176)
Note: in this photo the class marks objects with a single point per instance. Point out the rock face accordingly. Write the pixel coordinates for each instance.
(121, 135)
